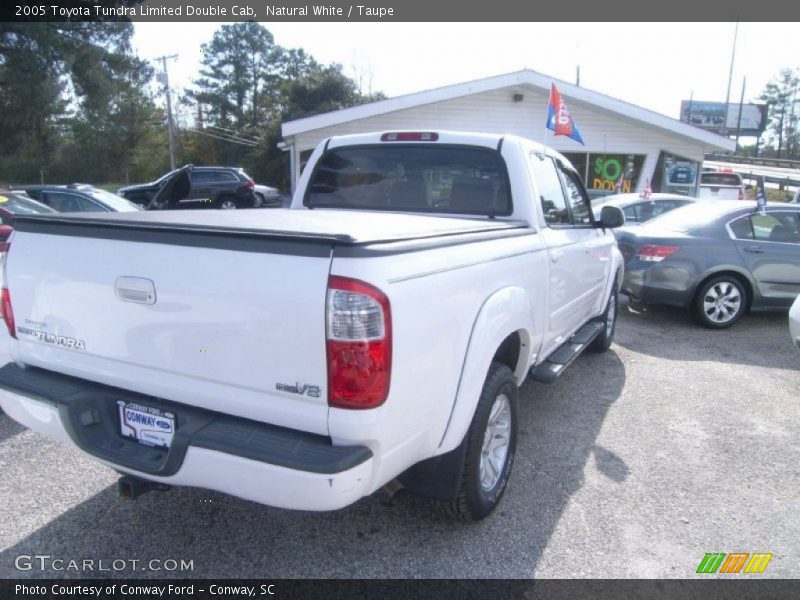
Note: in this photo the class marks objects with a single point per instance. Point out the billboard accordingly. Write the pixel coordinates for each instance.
(711, 116)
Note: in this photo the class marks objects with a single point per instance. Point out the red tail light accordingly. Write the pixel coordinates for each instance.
(5, 298)
(8, 313)
(654, 253)
(359, 344)
(250, 184)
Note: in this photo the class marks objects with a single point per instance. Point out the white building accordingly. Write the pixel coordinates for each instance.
(626, 145)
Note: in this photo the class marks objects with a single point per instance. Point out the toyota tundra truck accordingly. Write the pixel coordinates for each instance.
(373, 334)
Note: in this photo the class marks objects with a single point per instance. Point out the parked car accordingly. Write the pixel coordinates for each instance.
(267, 196)
(638, 209)
(718, 259)
(16, 203)
(314, 355)
(794, 322)
(720, 185)
(210, 187)
(78, 197)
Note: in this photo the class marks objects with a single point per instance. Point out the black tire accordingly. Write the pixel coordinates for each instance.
(609, 320)
(476, 500)
(720, 302)
(227, 203)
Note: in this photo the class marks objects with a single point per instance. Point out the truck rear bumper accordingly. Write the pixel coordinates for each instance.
(251, 460)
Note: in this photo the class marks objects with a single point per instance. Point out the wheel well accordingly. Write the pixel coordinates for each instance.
(748, 288)
(508, 352)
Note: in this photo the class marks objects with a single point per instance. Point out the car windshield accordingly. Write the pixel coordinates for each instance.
(694, 215)
(22, 205)
(113, 201)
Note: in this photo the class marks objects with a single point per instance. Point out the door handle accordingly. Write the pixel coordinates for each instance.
(556, 255)
(754, 249)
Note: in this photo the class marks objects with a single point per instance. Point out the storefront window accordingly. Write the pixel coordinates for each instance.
(675, 175)
(615, 173)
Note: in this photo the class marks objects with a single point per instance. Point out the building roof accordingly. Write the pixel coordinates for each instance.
(527, 77)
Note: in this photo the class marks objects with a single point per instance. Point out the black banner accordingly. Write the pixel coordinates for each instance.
(395, 10)
(440, 589)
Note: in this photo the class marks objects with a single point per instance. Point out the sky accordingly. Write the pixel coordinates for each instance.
(652, 65)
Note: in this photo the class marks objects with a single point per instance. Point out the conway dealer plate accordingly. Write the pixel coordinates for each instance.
(147, 425)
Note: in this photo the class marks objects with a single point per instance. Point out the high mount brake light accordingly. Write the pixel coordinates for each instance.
(359, 344)
(410, 136)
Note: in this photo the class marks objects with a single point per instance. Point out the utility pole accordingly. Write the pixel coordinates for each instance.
(739, 120)
(730, 78)
(165, 81)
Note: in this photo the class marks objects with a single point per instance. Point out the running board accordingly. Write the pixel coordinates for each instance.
(555, 364)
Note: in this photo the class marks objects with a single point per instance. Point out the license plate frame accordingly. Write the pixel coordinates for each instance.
(146, 425)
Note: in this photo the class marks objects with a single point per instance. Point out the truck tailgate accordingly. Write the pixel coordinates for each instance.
(202, 319)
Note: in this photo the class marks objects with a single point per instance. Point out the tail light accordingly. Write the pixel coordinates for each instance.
(654, 253)
(359, 344)
(250, 184)
(741, 194)
(5, 297)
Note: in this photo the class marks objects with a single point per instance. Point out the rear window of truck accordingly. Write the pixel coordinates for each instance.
(438, 179)
(727, 179)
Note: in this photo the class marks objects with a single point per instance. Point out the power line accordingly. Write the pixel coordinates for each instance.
(237, 133)
(219, 137)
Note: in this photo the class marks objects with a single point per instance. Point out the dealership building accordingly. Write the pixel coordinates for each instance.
(625, 145)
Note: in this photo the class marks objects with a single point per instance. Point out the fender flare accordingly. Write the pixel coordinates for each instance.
(506, 311)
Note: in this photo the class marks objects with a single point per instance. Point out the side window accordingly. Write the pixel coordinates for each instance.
(578, 203)
(776, 227)
(742, 228)
(218, 177)
(551, 195)
(63, 202)
(630, 213)
(87, 205)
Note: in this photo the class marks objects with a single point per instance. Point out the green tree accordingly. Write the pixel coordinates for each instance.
(780, 94)
(240, 66)
(59, 81)
(248, 86)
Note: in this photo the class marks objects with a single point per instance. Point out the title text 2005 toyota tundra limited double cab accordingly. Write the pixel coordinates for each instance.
(305, 358)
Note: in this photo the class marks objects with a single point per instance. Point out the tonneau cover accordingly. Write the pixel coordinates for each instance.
(338, 227)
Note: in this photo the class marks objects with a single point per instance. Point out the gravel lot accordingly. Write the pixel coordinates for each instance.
(677, 442)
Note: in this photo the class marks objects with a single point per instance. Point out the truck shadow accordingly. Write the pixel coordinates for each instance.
(228, 537)
(758, 339)
(8, 427)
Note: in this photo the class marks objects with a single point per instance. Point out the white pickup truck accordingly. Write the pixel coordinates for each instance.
(375, 333)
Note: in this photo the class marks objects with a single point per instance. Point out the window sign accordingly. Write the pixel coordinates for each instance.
(615, 172)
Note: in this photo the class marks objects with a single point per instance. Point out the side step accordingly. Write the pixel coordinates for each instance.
(555, 364)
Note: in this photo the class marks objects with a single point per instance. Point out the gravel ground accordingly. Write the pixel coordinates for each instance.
(677, 442)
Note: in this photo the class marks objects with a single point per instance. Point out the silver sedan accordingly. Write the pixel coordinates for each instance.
(718, 259)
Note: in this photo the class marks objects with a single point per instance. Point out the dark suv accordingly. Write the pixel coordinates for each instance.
(211, 187)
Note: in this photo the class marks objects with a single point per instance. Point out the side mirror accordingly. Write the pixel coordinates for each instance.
(611, 217)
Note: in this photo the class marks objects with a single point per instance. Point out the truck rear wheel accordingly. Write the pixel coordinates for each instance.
(491, 443)
(609, 320)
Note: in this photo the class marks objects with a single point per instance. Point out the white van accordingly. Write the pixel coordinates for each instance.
(721, 185)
